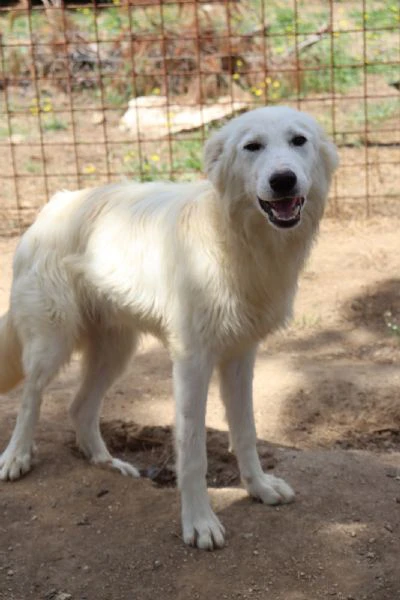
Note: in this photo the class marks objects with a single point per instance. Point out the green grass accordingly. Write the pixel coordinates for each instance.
(378, 110)
(53, 123)
(378, 14)
(341, 78)
(116, 95)
(4, 132)
(187, 161)
(17, 128)
(33, 167)
(283, 18)
(382, 110)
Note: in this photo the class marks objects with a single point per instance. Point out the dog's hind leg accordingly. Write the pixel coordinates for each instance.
(105, 355)
(42, 357)
(236, 390)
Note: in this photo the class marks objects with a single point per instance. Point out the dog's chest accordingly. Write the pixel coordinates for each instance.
(245, 313)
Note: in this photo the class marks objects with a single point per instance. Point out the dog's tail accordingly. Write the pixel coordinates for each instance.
(11, 371)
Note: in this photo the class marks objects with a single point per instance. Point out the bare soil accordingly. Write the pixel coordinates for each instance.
(328, 416)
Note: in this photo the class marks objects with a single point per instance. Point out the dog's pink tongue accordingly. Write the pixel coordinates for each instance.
(285, 208)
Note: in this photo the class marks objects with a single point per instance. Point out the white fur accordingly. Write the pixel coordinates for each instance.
(198, 265)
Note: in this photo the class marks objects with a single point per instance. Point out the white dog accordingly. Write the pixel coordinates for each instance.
(210, 268)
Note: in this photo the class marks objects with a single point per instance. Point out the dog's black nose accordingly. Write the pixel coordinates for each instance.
(283, 182)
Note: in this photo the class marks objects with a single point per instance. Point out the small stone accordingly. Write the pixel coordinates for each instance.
(157, 564)
(62, 596)
(388, 527)
(256, 552)
(10, 573)
(98, 118)
(391, 472)
(17, 138)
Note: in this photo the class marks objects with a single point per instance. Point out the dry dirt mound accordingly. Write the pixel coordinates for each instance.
(152, 451)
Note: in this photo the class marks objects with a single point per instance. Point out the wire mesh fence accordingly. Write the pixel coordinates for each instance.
(93, 92)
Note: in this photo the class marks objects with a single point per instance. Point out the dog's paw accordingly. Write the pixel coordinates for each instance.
(203, 530)
(270, 490)
(122, 466)
(13, 465)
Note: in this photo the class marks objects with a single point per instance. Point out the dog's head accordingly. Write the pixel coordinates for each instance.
(274, 160)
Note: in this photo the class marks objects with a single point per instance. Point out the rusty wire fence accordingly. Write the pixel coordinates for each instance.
(93, 92)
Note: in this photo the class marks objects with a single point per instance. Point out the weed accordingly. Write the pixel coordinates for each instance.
(378, 15)
(53, 123)
(385, 109)
(188, 156)
(392, 323)
(376, 112)
(33, 167)
(306, 321)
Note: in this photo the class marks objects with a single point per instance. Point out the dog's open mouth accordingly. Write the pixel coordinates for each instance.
(283, 213)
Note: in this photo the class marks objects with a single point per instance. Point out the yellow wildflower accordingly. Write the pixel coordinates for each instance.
(47, 106)
(89, 169)
(34, 108)
(128, 156)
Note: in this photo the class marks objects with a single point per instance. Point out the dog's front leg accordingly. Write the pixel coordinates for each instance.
(200, 525)
(237, 394)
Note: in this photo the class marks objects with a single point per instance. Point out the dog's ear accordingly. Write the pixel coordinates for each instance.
(213, 156)
(330, 157)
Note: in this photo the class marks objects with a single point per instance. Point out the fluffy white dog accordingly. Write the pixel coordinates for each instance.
(210, 268)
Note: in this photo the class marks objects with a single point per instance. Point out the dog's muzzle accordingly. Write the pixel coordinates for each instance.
(285, 212)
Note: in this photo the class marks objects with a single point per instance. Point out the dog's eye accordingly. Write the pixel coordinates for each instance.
(299, 140)
(253, 146)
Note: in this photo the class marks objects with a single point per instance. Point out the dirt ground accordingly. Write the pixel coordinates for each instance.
(328, 416)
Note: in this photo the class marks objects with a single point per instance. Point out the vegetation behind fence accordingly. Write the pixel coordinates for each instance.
(95, 92)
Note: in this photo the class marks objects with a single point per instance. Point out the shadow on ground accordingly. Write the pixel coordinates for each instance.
(349, 393)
